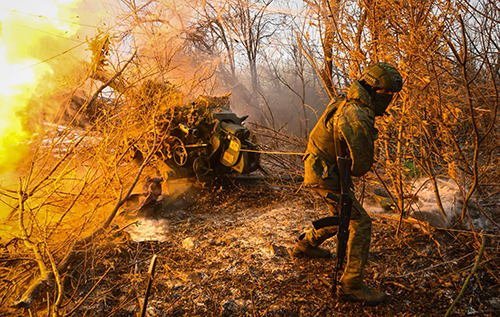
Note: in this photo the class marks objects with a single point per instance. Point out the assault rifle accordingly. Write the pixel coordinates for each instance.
(344, 165)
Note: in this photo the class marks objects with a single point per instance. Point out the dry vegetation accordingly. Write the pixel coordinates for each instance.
(66, 250)
(223, 251)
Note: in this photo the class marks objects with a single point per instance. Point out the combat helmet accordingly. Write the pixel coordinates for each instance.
(382, 76)
(383, 80)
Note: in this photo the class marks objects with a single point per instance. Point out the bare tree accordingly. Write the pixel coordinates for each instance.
(238, 33)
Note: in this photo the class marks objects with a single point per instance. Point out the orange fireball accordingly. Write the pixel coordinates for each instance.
(24, 26)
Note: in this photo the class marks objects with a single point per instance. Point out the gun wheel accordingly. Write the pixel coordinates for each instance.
(180, 155)
(201, 166)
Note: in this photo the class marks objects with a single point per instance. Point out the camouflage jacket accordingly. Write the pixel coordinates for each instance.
(356, 125)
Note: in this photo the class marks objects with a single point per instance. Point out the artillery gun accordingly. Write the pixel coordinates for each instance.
(207, 140)
(204, 139)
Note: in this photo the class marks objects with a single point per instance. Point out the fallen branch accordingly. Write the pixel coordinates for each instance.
(408, 220)
(430, 267)
(476, 264)
(151, 273)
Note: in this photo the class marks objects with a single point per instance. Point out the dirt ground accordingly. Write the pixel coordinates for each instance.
(223, 250)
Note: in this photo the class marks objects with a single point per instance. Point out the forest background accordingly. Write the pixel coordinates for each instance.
(64, 176)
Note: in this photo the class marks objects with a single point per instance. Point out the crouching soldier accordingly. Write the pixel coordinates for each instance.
(348, 123)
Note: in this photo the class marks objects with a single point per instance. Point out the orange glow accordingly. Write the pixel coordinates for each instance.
(24, 26)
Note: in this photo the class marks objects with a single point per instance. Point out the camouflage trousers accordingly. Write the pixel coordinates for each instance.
(358, 244)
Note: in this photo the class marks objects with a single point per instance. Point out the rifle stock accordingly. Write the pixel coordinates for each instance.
(328, 221)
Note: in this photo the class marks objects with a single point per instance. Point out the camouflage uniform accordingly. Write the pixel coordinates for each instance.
(356, 119)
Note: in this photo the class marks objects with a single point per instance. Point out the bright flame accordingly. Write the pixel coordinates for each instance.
(24, 27)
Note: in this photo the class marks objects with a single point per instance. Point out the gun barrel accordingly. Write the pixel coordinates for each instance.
(239, 131)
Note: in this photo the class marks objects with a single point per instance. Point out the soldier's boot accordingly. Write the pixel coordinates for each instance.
(360, 293)
(308, 244)
(304, 249)
(352, 287)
